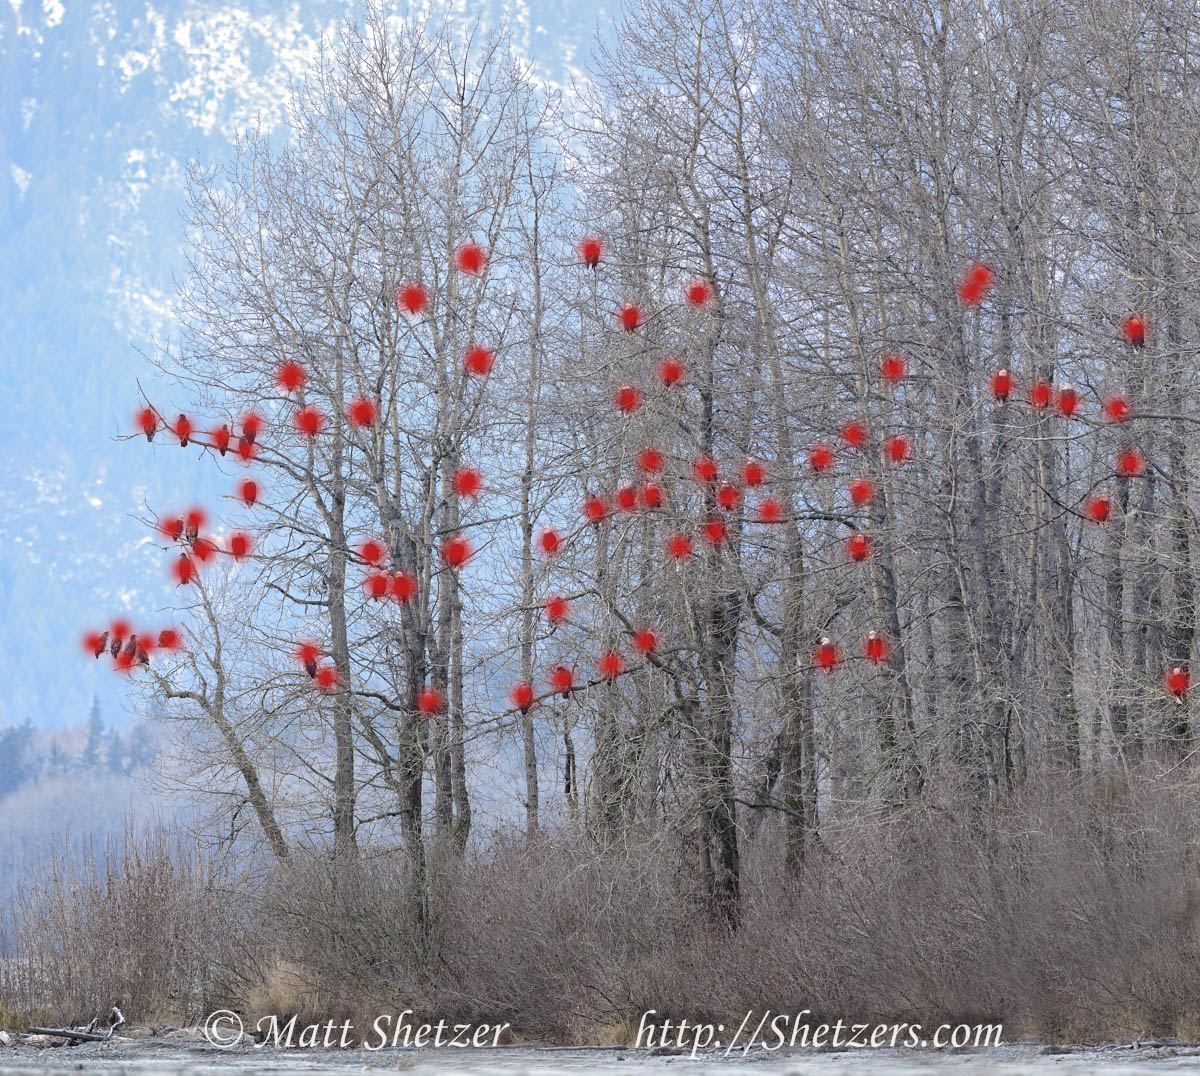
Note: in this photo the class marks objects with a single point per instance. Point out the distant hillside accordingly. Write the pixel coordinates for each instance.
(106, 103)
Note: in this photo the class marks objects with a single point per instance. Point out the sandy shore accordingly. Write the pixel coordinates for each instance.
(178, 1055)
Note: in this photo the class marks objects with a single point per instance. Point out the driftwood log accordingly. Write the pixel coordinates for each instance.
(116, 1019)
(68, 1033)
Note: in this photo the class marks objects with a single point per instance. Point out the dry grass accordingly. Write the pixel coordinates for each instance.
(1067, 915)
(146, 923)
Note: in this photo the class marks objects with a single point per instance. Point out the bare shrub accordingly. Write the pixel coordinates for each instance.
(551, 936)
(341, 940)
(1071, 913)
(148, 922)
(1062, 914)
(1066, 914)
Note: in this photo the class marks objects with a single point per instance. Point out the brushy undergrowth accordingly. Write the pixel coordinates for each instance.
(1072, 913)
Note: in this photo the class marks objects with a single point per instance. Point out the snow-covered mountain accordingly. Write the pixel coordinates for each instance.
(104, 104)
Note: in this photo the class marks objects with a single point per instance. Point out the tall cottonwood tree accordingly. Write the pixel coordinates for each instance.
(406, 146)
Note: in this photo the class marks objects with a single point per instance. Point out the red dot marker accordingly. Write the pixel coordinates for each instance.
(670, 372)
(522, 696)
(290, 376)
(412, 298)
(94, 643)
(826, 656)
(595, 510)
(754, 474)
(897, 448)
(862, 491)
(627, 399)
(591, 250)
(478, 360)
(610, 665)
(630, 317)
(456, 551)
(430, 702)
(252, 424)
(402, 587)
(1133, 328)
(679, 547)
(467, 482)
(168, 639)
(650, 461)
(361, 412)
(770, 511)
(557, 609)
(645, 641)
(820, 459)
(858, 547)
(240, 545)
(307, 654)
(1116, 408)
(705, 469)
(976, 282)
(893, 367)
(854, 434)
(1131, 463)
(698, 293)
(876, 648)
(373, 552)
(562, 680)
(1099, 508)
(147, 422)
(184, 570)
(470, 259)
(309, 421)
(715, 531)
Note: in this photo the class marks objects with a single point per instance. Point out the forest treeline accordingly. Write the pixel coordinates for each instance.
(29, 755)
(764, 468)
(61, 789)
